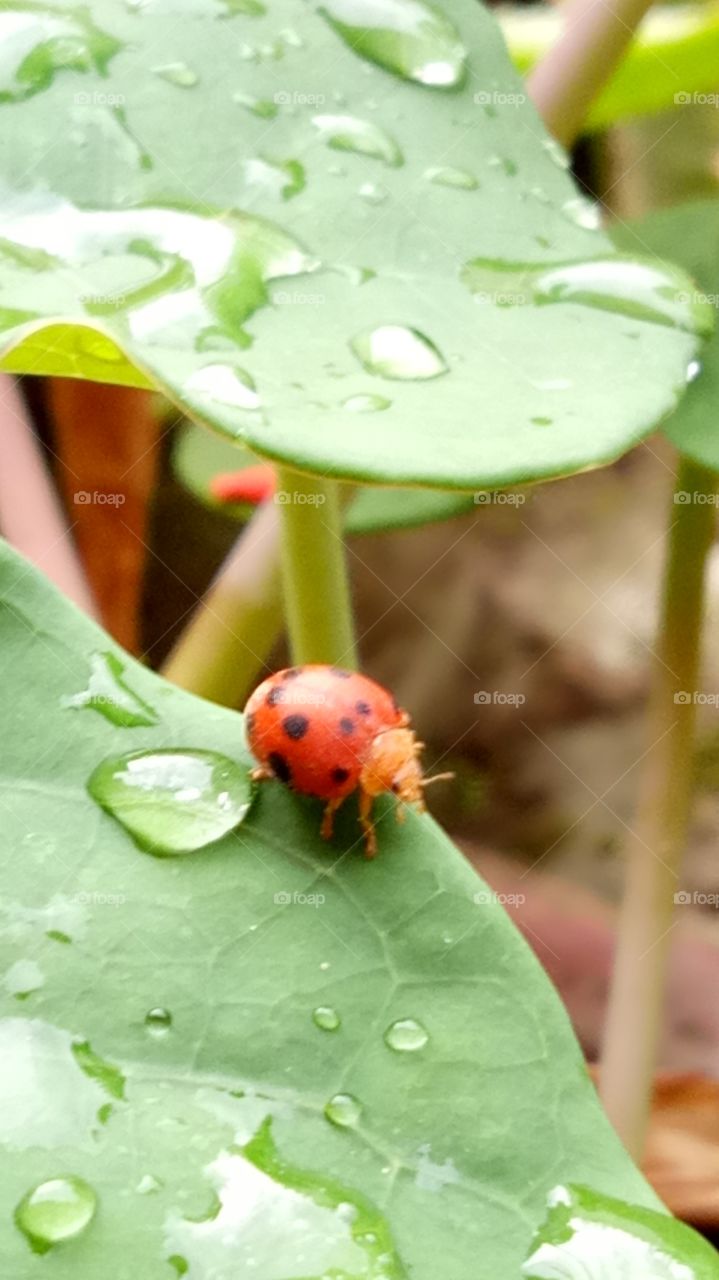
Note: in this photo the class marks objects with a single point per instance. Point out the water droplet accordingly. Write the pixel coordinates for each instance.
(148, 1184)
(177, 73)
(281, 180)
(406, 1035)
(261, 107)
(38, 42)
(158, 1021)
(395, 351)
(109, 694)
(173, 801)
(225, 384)
(694, 368)
(556, 152)
(448, 177)
(56, 1210)
(366, 403)
(326, 1018)
(372, 193)
(510, 167)
(22, 978)
(541, 422)
(348, 133)
(583, 213)
(410, 38)
(324, 965)
(343, 1110)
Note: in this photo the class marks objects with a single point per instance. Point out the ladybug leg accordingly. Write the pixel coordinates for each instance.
(327, 818)
(261, 773)
(365, 811)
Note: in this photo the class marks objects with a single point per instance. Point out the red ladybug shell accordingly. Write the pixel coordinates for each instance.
(312, 727)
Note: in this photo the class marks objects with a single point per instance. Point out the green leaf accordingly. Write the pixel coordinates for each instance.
(282, 217)
(269, 1049)
(593, 1236)
(690, 235)
(198, 455)
(670, 62)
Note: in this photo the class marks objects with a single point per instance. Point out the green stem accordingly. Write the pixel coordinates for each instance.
(317, 597)
(658, 836)
(221, 653)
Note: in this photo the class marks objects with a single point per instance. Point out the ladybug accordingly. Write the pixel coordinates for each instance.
(327, 732)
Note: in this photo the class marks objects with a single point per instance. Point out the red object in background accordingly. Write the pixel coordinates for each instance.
(252, 484)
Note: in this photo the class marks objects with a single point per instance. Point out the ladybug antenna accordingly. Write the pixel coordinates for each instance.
(437, 777)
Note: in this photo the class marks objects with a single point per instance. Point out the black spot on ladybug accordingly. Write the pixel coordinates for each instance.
(340, 775)
(275, 695)
(250, 721)
(341, 675)
(279, 766)
(363, 709)
(291, 673)
(295, 726)
(347, 725)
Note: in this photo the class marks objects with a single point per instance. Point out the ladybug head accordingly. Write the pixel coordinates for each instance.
(392, 764)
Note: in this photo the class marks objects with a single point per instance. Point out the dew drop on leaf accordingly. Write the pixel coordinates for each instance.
(56, 1210)
(39, 42)
(343, 1110)
(461, 179)
(372, 193)
(556, 152)
(224, 384)
(326, 1018)
(261, 107)
(348, 133)
(410, 38)
(177, 73)
(174, 801)
(406, 1035)
(396, 351)
(158, 1021)
(148, 1184)
(108, 693)
(583, 213)
(366, 403)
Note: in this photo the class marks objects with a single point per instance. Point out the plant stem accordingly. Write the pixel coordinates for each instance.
(31, 513)
(314, 571)
(571, 75)
(634, 1020)
(223, 649)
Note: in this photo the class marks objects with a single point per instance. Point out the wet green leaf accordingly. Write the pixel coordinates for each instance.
(276, 214)
(268, 1057)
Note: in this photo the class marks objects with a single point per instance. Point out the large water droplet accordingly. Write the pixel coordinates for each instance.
(348, 133)
(173, 801)
(448, 177)
(366, 403)
(109, 694)
(410, 38)
(158, 1021)
(396, 351)
(326, 1018)
(344, 1110)
(177, 73)
(406, 1035)
(56, 1210)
